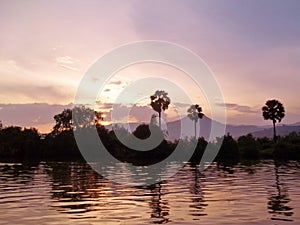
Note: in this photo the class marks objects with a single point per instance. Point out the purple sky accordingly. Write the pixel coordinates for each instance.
(253, 48)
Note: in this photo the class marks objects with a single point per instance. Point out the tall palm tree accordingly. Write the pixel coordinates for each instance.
(273, 110)
(195, 113)
(160, 102)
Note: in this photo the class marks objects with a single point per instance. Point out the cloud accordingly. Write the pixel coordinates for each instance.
(104, 106)
(121, 113)
(31, 93)
(8, 66)
(21, 84)
(182, 105)
(64, 60)
(27, 115)
(251, 51)
(115, 82)
(67, 62)
(135, 113)
(238, 108)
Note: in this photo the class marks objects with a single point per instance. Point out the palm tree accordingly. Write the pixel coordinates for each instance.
(195, 113)
(273, 110)
(160, 102)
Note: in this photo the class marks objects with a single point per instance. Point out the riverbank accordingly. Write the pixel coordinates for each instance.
(27, 144)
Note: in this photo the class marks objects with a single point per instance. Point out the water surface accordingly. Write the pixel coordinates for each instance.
(261, 192)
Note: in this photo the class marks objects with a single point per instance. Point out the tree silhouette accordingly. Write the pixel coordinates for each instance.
(99, 117)
(273, 110)
(195, 113)
(160, 101)
(84, 117)
(63, 121)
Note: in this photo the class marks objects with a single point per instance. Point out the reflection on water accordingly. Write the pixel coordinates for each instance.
(256, 192)
(159, 206)
(278, 202)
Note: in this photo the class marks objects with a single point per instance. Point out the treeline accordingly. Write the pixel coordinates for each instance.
(18, 143)
(27, 144)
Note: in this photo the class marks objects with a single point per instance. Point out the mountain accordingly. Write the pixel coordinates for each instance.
(185, 128)
(296, 124)
(205, 128)
(280, 130)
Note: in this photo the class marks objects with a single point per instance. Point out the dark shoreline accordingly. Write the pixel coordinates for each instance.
(26, 144)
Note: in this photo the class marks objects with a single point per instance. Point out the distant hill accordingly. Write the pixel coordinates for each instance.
(186, 126)
(205, 128)
(295, 124)
(280, 130)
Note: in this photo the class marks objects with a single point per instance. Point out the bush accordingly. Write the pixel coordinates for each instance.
(288, 147)
(19, 143)
(229, 148)
(248, 146)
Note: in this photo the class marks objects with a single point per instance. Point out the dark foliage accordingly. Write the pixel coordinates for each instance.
(19, 143)
(288, 147)
(229, 148)
(27, 144)
(274, 111)
(248, 147)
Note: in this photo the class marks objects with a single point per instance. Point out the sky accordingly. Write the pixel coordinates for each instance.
(46, 47)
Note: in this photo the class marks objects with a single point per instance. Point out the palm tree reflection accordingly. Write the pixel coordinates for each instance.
(160, 208)
(198, 204)
(277, 204)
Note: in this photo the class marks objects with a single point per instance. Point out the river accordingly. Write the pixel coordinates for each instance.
(250, 192)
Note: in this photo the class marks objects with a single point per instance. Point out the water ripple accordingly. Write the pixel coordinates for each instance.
(258, 192)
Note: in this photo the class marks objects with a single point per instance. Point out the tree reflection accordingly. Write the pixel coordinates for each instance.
(22, 173)
(160, 208)
(72, 184)
(198, 204)
(277, 204)
(227, 166)
(250, 166)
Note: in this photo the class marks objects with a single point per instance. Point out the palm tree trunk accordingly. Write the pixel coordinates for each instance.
(274, 131)
(199, 129)
(195, 129)
(159, 119)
